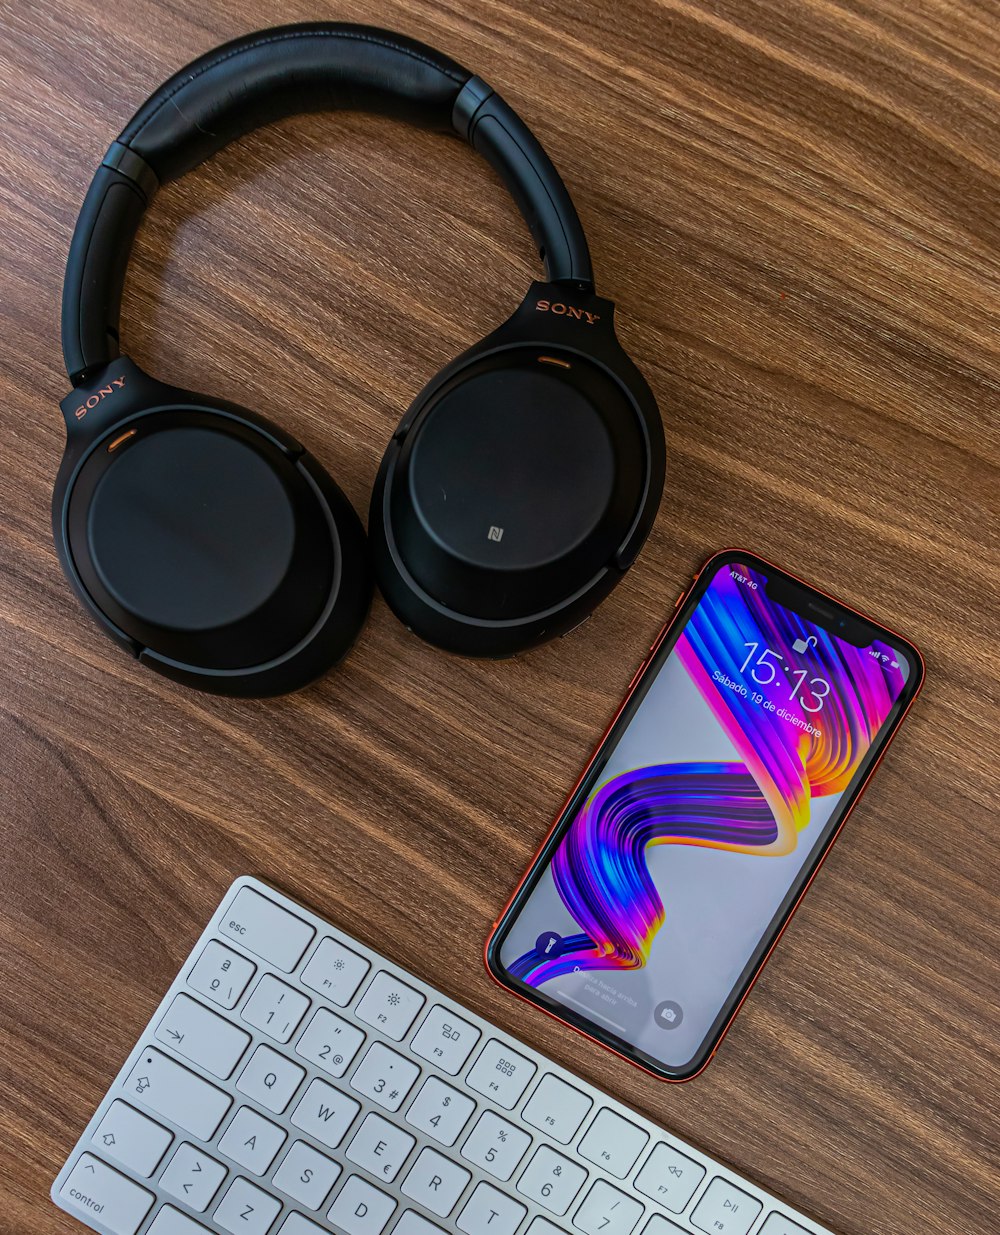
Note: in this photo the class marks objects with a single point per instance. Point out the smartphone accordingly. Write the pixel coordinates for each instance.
(745, 739)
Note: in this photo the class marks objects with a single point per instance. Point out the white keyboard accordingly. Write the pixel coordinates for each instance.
(294, 1082)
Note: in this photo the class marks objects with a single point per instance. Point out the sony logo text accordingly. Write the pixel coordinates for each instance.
(95, 399)
(567, 310)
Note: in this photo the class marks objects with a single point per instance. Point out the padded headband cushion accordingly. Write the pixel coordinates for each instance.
(261, 78)
(275, 73)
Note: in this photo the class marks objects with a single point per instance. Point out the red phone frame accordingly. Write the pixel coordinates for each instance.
(667, 627)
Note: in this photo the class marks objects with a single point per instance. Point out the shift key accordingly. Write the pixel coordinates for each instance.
(96, 1193)
(266, 929)
(177, 1094)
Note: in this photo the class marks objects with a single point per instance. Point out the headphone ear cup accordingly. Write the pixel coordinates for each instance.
(212, 545)
(505, 497)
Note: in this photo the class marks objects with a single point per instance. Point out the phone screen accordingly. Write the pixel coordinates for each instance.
(704, 813)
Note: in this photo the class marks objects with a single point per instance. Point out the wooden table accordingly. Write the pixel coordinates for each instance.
(795, 206)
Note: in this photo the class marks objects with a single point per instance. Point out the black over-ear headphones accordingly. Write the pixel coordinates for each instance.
(513, 495)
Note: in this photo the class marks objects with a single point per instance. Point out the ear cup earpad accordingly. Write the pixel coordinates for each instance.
(501, 505)
(227, 558)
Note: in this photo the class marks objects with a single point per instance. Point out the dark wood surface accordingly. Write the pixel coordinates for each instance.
(795, 207)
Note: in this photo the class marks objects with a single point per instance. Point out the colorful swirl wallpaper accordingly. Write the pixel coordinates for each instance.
(802, 715)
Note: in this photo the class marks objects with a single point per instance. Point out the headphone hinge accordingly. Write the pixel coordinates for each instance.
(124, 160)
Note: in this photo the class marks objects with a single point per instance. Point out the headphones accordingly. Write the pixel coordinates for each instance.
(514, 493)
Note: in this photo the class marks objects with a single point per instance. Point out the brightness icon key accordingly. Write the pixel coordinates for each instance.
(389, 1005)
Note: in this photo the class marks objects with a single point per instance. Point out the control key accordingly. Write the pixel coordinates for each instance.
(99, 1194)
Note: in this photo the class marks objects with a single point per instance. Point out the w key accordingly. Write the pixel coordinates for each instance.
(201, 1036)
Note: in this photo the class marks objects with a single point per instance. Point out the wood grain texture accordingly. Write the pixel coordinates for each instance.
(795, 206)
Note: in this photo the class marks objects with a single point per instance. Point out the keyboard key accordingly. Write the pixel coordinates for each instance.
(725, 1210)
(170, 1221)
(436, 1182)
(490, 1212)
(501, 1074)
(330, 1042)
(445, 1039)
(275, 1008)
(389, 1005)
(613, 1143)
(361, 1209)
(325, 1113)
(266, 930)
(270, 1079)
(496, 1145)
(204, 1037)
(247, 1209)
(132, 1139)
(542, 1226)
(221, 974)
(176, 1093)
(552, 1180)
(252, 1141)
(94, 1190)
(306, 1175)
(658, 1225)
(380, 1147)
(606, 1211)
(778, 1224)
(669, 1178)
(412, 1223)
(295, 1224)
(384, 1076)
(557, 1109)
(192, 1177)
(440, 1111)
(335, 972)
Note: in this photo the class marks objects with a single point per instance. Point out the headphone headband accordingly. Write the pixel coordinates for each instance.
(263, 77)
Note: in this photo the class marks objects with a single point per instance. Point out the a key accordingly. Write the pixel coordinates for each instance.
(440, 1111)
(295, 1224)
(306, 1175)
(192, 1177)
(542, 1226)
(266, 930)
(389, 1005)
(551, 1180)
(330, 1042)
(131, 1139)
(170, 1221)
(613, 1143)
(436, 1182)
(658, 1225)
(252, 1141)
(360, 1209)
(412, 1223)
(490, 1212)
(246, 1209)
(380, 1147)
(221, 974)
(501, 1074)
(725, 1209)
(175, 1092)
(275, 1007)
(496, 1145)
(270, 1079)
(606, 1211)
(325, 1113)
(669, 1178)
(778, 1224)
(445, 1040)
(557, 1109)
(95, 1190)
(335, 972)
(384, 1076)
(202, 1036)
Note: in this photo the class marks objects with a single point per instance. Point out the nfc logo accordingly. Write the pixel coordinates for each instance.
(495, 533)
